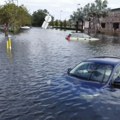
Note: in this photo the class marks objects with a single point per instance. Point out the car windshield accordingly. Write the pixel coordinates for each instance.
(77, 35)
(86, 36)
(81, 35)
(92, 71)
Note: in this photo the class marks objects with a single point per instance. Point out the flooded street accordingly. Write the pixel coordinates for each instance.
(31, 82)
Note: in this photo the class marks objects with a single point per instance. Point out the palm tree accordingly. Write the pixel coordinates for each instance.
(91, 12)
(101, 10)
(78, 16)
(95, 11)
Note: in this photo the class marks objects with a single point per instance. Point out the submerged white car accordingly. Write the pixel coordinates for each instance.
(25, 27)
(80, 37)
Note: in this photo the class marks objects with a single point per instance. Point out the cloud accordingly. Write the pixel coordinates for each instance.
(55, 6)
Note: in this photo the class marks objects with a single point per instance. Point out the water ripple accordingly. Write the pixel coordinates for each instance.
(31, 78)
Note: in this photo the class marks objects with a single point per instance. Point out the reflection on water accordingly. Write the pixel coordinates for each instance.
(10, 55)
(31, 86)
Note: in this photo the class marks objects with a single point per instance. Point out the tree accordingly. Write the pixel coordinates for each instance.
(101, 8)
(64, 23)
(61, 24)
(56, 22)
(96, 11)
(70, 23)
(52, 21)
(92, 12)
(38, 17)
(78, 16)
(14, 16)
(24, 16)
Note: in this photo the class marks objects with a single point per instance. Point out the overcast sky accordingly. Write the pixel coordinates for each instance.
(60, 9)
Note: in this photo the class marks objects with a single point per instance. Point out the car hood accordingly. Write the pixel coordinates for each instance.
(85, 89)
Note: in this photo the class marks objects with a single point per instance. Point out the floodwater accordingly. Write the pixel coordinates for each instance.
(32, 86)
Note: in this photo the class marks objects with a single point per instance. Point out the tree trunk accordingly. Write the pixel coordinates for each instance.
(82, 26)
(6, 29)
(76, 26)
(89, 27)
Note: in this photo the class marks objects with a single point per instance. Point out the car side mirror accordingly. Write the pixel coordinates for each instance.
(68, 71)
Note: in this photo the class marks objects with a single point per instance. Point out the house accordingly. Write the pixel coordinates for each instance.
(111, 23)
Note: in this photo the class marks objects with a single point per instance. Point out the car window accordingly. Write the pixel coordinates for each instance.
(74, 35)
(101, 73)
(86, 36)
(116, 74)
(82, 70)
(80, 35)
(107, 73)
(92, 71)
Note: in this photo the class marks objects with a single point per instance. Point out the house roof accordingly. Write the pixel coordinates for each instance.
(115, 9)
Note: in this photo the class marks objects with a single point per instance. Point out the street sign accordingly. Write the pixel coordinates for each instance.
(45, 24)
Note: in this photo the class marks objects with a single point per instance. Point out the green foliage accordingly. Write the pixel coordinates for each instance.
(97, 9)
(61, 24)
(56, 23)
(24, 17)
(38, 17)
(52, 22)
(78, 15)
(7, 13)
(92, 13)
(14, 16)
(64, 23)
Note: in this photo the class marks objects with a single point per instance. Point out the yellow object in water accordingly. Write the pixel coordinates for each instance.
(9, 43)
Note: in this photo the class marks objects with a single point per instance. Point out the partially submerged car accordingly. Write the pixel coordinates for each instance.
(80, 37)
(25, 27)
(96, 73)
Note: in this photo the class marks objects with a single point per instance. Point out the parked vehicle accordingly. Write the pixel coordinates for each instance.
(80, 37)
(96, 74)
(25, 27)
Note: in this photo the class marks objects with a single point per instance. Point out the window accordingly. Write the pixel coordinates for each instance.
(116, 26)
(103, 25)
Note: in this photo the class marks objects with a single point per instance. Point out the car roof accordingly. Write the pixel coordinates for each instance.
(78, 33)
(105, 60)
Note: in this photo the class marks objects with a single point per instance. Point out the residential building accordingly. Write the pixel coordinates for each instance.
(111, 23)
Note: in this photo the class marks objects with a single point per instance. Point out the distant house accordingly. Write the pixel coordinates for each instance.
(111, 23)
